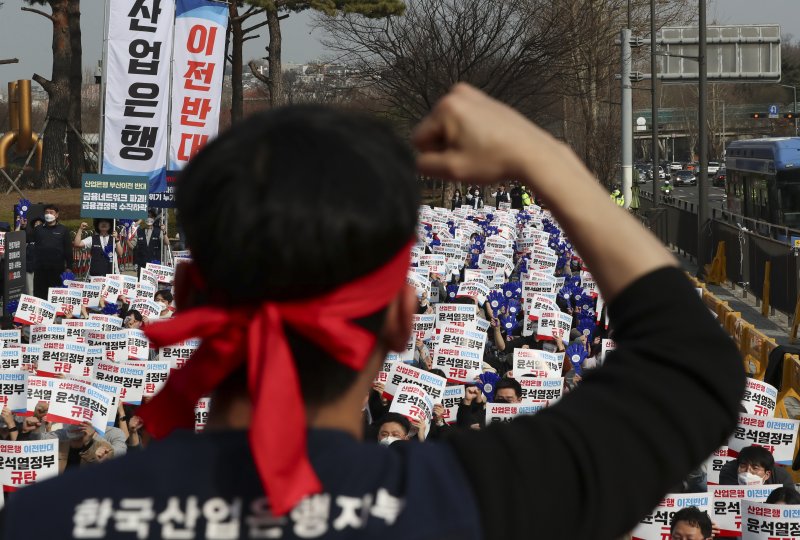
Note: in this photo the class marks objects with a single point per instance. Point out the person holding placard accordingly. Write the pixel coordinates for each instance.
(146, 243)
(290, 348)
(102, 243)
(754, 465)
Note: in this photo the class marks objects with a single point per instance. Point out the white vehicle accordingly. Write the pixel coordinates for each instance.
(675, 166)
(713, 167)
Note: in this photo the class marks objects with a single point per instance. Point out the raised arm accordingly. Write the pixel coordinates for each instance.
(593, 464)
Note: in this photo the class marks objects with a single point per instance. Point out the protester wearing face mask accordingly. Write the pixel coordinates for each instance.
(146, 244)
(53, 251)
(754, 466)
(393, 427)
(164, 299)
(474, 199)
(101, 262)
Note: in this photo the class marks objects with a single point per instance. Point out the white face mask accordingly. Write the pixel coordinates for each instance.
(749, 479)
(49, 218)
(388, 440)
(149, 222)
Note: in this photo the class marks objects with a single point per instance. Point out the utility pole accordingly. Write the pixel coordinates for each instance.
(654, 97)
(703, 223)
(627, 116)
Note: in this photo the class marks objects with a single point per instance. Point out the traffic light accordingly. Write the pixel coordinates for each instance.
(758, 115)
(790, 116)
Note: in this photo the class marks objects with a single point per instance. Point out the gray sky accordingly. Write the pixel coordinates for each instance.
(300, 43)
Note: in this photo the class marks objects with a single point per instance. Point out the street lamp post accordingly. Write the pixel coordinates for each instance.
(794, 104)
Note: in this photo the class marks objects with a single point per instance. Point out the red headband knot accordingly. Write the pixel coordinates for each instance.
(231, 335)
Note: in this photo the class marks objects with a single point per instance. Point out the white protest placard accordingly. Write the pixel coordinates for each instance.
(11, 359)
(588, 283)
(400, 373)
(451, 399)
(31, 355)
(32, 310)
(760, 398)
(48, 332)
(156, 378)
(39, 389)
(762, 521)
(541, 388)
(130, 375)
(64, 357)
(778, 435)
(67, 301)
(714, 464)
(114, 391)
(607, 345)
(112, 289)
(126, 283)
(90, 292)
(27, 462)
(554, 325)
(473, 289)
(726, 512)
(656, 524)
(77, 328)
(115, 344)
(460, 365)
(421, 286)
(109, 322)
(138, 345)
(178, 354)
(201, 411)
(73, 402)
(496, 262)
(435, 262)
(537, 285)
(505, 412)
(449, 313)
(164, 274)
(545, 263)
(462, 336)
(148, 308)
(481, 275)
(14, 391)
(144, 291)
(539, 303)
(423, 326)
(10, 337)
(413, 402)
(537, 363)
(383, 374)
(148, 276)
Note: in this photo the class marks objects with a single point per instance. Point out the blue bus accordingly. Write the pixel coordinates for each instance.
(763, 181)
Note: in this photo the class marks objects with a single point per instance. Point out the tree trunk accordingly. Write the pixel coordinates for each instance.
(75, 148)
(58, 93)
(237, 43)
(275, 83)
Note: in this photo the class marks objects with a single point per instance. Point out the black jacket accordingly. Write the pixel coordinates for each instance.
(729, 475)
(53, 246)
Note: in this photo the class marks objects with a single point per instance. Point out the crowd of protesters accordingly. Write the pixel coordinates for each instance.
(508, 322)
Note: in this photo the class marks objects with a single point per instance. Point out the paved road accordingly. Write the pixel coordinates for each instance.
(716, 195)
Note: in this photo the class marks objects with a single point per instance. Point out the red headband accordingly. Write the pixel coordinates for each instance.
(256, 333)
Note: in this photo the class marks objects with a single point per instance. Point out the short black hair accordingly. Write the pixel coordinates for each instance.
(397, 418)
(135, 313)
(784, 495)
(509, 383)
(757, 455)
(694, 517)
(305, 198)
(97, 222)
(165, 294)
(51, 207)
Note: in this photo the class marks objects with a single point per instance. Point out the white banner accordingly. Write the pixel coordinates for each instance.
(26, 462)
(762, 521)
(778, 435)
(198, 63)
(137, 89)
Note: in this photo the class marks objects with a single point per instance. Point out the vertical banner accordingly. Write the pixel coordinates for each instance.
(137, 89)
(198, 65)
